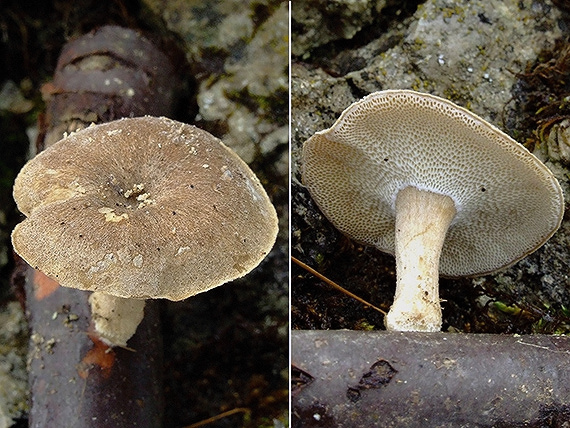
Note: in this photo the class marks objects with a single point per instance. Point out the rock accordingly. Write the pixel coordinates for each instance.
(318, 22)
(13, 374)
(12, 99)
(243, 46)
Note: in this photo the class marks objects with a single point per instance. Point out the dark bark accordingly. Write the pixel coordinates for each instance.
(387, 379)
(110, 73)
(75, 379)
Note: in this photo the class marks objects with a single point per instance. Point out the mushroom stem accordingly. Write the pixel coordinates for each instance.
(116, 319)
(422, 221)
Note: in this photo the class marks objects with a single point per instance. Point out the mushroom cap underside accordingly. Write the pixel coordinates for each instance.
(508, 203)
(143, 207)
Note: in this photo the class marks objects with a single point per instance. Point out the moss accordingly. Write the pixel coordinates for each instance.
(365, 325)
(419, 43)
(542, 94)
(456, 11)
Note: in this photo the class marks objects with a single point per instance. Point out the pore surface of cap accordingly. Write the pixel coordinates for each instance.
(508, 203)
(142, 207)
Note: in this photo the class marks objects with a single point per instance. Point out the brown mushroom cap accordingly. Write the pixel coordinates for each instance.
(145, 208)
(508, 203)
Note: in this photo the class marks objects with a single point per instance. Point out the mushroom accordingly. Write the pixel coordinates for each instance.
(445, 191)
(141, 208)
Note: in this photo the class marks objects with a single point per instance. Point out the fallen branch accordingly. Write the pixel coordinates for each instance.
(352, 378)
(75, 379)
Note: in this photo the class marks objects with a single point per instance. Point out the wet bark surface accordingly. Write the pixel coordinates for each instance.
(350, 379)
(78, 381)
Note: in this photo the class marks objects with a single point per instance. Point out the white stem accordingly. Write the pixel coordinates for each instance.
(116, 319)
(422, 220)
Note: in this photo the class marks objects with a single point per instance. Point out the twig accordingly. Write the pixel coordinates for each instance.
(219, 416)
(335, 285)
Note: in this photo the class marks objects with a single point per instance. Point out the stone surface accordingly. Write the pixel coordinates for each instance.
(13, 374)
(317, 22)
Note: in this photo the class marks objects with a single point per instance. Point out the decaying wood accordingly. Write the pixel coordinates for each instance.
(389, 379)
(110, 73)
(75, 379)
